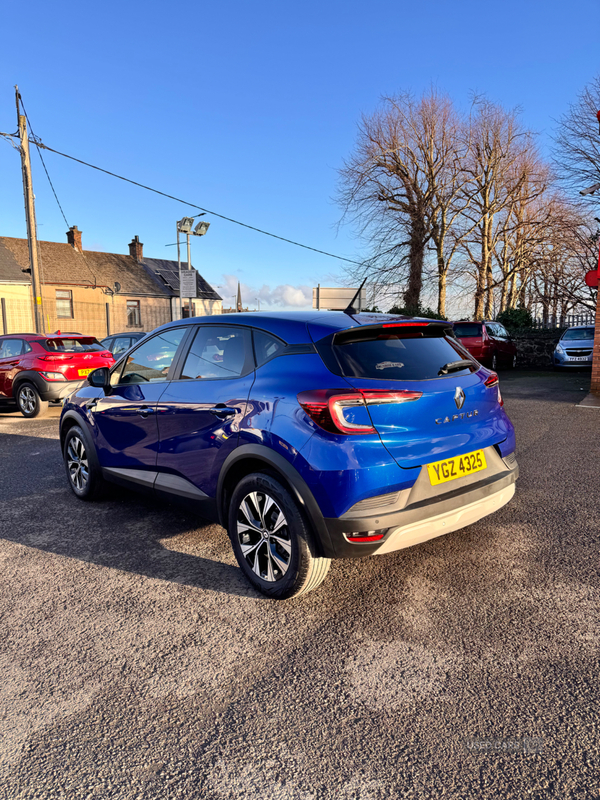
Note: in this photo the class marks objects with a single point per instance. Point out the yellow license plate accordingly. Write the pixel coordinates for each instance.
(84, 372)
(456, 467)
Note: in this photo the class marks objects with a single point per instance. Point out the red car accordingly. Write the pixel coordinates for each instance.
(39, 368)
(488, 342)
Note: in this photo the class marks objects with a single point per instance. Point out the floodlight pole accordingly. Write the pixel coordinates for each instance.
(179, 268)
(189, 263)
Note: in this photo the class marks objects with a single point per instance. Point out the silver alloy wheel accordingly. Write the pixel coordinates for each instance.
(514, 363)
(77, 463)
(494, 362)
(27, 400)
(264, 537)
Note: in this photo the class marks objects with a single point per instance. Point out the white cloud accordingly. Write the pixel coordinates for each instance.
(283, 296)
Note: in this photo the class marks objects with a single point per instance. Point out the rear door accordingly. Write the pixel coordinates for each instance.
(470, 334)
(454, 411)
(202, 409)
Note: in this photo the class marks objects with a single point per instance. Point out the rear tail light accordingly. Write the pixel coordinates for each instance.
(366, 536)
(326, 406)
(53, 376)
(56, 357)
(490, 382)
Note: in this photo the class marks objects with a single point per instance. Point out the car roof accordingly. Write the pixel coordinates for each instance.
(292, 325)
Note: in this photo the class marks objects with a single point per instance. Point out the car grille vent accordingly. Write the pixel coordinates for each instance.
(372, 503)
(510, 461)
(580, 352)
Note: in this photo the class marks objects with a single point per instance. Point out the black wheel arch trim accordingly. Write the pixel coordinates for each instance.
(73, 418)
(300, 490)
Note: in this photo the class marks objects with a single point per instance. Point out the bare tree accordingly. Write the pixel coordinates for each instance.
(499, 167)
(577, 150)
(399, 185)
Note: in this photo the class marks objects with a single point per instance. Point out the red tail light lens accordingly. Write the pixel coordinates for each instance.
(326, 406)
(56, 357)
(491, 381)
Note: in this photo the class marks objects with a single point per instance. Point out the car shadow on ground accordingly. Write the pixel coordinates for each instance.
(125, 531)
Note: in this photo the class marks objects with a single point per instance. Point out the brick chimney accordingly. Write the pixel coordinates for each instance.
(136, 249)
(74, 238)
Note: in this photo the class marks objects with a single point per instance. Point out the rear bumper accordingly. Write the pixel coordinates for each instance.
(48, 390)
(424, 515)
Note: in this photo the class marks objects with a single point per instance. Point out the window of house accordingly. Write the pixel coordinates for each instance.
(64, 304)
(134, 319)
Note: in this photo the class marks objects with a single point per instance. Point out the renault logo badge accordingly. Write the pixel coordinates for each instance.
(459, 397)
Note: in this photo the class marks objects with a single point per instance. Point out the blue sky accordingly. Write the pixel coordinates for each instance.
(249, 108)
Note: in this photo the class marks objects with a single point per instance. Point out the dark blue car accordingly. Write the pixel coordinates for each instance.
(309, 436)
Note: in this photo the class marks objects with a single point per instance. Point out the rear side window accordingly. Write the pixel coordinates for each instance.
(85, 344)
(466, 329)
(9, 348)
(218, 352)
(266, 347)
(399, 356)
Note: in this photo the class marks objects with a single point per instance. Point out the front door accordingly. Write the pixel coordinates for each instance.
(11, 351)
(125, 421)
(201, 411)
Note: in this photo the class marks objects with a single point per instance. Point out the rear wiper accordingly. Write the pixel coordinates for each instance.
(452, 366)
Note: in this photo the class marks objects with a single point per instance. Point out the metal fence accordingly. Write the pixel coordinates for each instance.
(566, 321)
(88, 318)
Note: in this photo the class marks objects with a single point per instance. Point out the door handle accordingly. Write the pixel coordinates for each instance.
(143, 411)
(222, 411)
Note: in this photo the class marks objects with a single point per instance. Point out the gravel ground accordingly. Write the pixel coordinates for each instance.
(136, 662)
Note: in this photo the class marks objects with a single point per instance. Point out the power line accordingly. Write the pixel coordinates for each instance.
(38, 143)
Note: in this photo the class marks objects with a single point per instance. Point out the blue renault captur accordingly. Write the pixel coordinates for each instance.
(310, 436)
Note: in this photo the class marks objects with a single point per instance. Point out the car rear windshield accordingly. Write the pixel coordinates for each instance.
(399, 356)
(578, 333)
(82, 344)
(465, 329)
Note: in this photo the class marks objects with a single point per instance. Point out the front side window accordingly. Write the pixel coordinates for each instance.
(134, 317)
(64, 304)
(218, 352)
(151, 362)
(121, 344)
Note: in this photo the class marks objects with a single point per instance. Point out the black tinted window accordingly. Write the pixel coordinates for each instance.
(218, 352)
(464, 329)
(80, 345)
(266, 347)
(398, 357)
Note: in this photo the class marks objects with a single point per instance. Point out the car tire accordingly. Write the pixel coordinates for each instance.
(279, 566)
(494, 362)
(29, 401)
(83, 471)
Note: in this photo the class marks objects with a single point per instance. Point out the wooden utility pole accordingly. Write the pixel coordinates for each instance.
(36, 288)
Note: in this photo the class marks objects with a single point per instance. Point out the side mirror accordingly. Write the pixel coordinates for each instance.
(100, 378)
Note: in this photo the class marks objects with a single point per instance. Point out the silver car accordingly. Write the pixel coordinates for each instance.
(574, 348)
